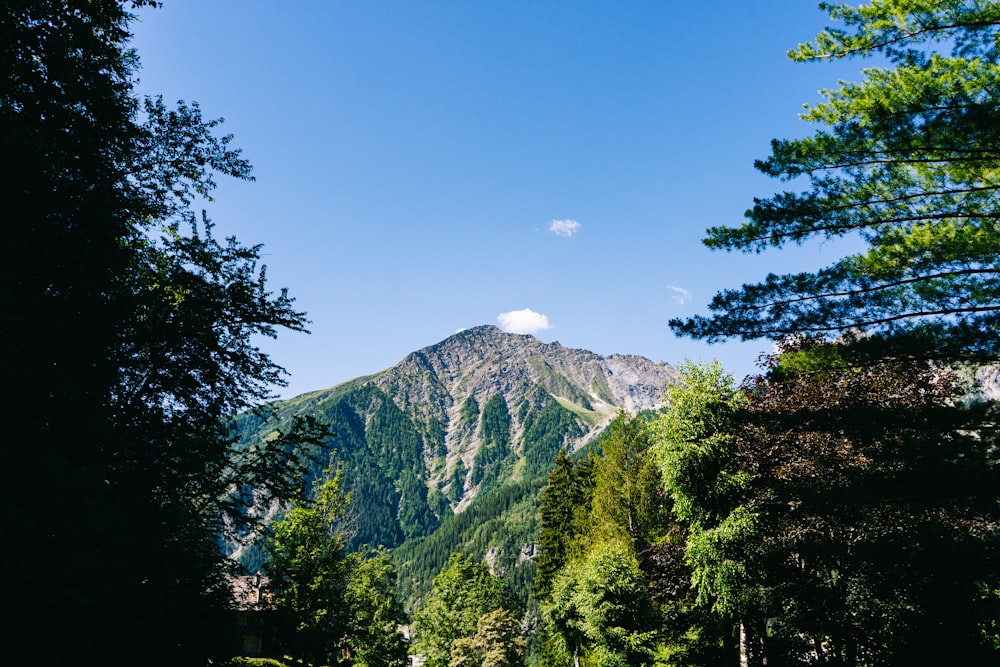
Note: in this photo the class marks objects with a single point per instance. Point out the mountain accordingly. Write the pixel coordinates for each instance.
(448, 449)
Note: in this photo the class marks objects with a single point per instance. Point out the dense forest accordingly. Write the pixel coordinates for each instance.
(838, 508)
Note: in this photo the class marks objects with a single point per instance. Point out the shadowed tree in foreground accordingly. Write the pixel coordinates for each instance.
(130, 339)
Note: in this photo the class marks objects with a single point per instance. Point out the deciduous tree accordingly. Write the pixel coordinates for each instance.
(600, 609)
(626, 496)
(462, 593)
(842, 515)
(498, 642)
(374, 639)
(129, 333)
(309, 574)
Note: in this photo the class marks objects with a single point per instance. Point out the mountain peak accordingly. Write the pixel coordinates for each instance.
(483, 361)
(481, 410)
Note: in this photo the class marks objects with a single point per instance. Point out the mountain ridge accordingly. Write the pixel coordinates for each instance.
(437, 433)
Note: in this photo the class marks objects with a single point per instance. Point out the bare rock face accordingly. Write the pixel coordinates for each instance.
(988, 382)
(484, 360)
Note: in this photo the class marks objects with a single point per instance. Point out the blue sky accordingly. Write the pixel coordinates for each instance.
(424, 167)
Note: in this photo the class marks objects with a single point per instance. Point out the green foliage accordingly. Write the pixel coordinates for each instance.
(382, 452)
(863, 452)
(456, 487)
(461, 595)
(309, 574)
(503, 519)
(253, 662)
(905, 161)
(600, 608)
(438, 504)
(131, 334)
(497, 643)
(607, 531)
(415, 516)
(375, 613)
(564, 510)
(829, 507)
(694, 447)
(469, 414)
(435, 434)
(626, 496)
(494, 428)
(547, 430)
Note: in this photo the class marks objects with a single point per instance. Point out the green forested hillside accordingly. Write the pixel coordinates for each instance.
(447, 451)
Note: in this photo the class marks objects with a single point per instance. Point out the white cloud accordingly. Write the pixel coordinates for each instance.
(524, 321)
(564, 227)
(679, 295)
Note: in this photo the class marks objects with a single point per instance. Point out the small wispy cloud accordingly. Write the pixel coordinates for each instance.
(679, 295)
(524, 321)
(564, 227)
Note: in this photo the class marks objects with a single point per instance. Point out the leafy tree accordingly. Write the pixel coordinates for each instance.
(129, 331)
(906, 162)
(309, 574)
(701, 473)
(842, 515)
(498, 642)
(375, 612)
(462, 593)
(839, 461)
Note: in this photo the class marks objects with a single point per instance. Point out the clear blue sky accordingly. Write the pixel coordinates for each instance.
(424, 167)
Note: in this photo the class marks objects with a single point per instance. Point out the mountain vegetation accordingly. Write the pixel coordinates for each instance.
(520, 502)
(448, 450)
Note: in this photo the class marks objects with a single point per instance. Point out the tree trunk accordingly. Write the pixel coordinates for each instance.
(744, 646)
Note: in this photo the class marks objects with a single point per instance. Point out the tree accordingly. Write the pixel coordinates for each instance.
(462, 593)
(497, 643)
(376, 613)
(600, 608)
(627, 499)
(843, 515)
(697, 454)
(309, 574)
(564, 508)
(875, 488)
(130, 336)
(907, 163)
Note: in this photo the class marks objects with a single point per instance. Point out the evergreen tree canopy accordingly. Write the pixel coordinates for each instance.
(907, 162)
(564, 509)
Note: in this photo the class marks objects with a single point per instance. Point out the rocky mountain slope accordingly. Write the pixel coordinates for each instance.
(483, 366)
(467, 426)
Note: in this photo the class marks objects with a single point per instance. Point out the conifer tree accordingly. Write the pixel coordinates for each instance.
(906, 161)
(564, 508)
